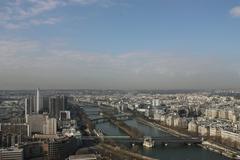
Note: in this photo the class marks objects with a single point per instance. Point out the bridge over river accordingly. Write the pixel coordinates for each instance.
(121, 117)
(157, 140)
(173, 151)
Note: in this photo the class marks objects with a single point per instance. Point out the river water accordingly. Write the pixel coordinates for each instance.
(170, 152)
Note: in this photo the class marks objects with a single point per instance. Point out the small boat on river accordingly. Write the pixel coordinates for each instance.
(148, 142)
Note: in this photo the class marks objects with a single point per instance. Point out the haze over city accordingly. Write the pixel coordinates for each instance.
(119, 44)
(119, 79)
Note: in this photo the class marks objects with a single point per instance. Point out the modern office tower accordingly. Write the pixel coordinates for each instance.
(30, 103)
(11, 154)
(60, 103)
(28, 109)
(65, 101)
(45, 104)
(38, 101)
(52, 107)
(56, 104)
(34, 104)
(65, 115)
(42, 124)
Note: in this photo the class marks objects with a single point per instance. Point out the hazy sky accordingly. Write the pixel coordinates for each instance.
(119, 44)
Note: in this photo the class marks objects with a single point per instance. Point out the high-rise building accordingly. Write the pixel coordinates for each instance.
(36, 122)
(42, 124)
(28, 107)
(50, 127)
(38, 101)
(33, 104)
(30, 103)
(65, 115)
(52, 107)
(45, 104)
(56, 104)
(65, 102)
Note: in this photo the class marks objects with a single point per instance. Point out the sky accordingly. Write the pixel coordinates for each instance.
(119, 44)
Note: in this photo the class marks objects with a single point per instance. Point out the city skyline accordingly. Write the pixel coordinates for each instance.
(119, 44)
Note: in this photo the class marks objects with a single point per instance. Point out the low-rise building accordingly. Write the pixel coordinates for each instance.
(232, 116)
(223, 114)
(170, 120)
(33, 150)
(163, 118)
(180, 122)
(214, 131)
(212, 113)
(61, 147)
(229, 135)
(203, 130)
(12, 153)
(15, 128)
(83, 157)
(192, 127)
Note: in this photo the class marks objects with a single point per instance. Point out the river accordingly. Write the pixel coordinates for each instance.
(170, 152)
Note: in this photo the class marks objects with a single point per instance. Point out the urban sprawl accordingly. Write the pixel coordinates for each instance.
(48, 124)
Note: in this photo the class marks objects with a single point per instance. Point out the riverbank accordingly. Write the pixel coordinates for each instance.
(211, 146)
(162, 128)
(176, 152)
(123, 152)
(219, 149)
(131, 131)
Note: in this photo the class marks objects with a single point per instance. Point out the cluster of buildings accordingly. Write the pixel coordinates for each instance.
(41, 126)
(10, 109)
(202, 114)
(44, 130)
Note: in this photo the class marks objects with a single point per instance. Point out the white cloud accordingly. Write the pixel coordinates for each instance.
(13, 48)
(32, 22)
(23, 14)
(102, 3)
(235, 11)
(16, 14)
(84, 1)
(49, 21)
(59, 66)
(38, 7)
